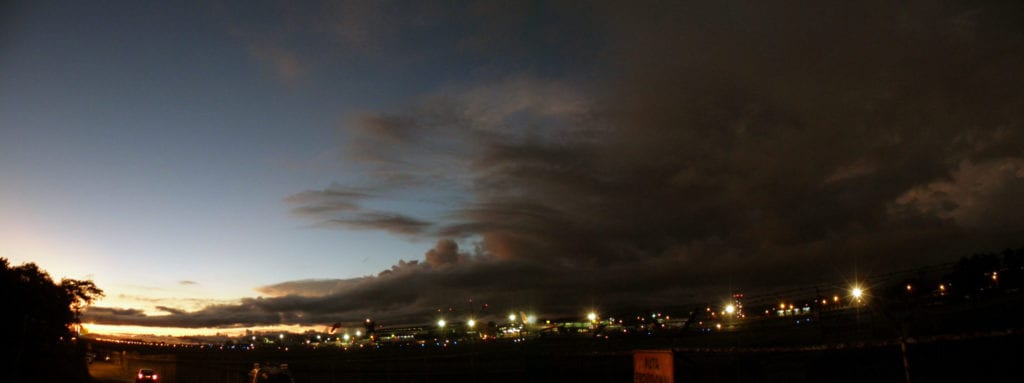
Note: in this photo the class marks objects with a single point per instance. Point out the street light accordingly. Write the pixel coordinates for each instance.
(592, 316)
(471, 323)
(730, 309)
(856, 292)
(441, 323)
(511, 317)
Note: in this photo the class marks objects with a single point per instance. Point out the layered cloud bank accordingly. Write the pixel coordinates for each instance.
(697, 150)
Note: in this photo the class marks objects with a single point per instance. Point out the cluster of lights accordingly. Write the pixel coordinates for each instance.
(857, 294)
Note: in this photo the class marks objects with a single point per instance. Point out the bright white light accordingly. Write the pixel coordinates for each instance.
(359, 333)
(857, 292)
(346, 337)
(512, 317)
(471, 323)
(531, 319)
(441, 323)
(281, 336)
(729, 309)
(592, 317)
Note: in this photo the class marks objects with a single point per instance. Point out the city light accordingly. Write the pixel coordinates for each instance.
(730, 309)
(592, 316)
(511, 317)
(471, 323)
(531, 319)
(856, 292)
(441, 323)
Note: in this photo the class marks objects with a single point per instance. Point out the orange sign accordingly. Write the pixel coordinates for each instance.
(653, 366)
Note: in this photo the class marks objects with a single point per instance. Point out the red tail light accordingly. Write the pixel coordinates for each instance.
(154, 376)
(140, 375)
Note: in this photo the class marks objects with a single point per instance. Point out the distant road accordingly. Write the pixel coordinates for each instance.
(122, 370)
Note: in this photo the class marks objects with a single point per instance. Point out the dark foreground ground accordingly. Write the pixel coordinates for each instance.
(990, 357)
(965, 341)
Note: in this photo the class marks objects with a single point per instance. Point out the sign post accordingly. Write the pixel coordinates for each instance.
(653, 366)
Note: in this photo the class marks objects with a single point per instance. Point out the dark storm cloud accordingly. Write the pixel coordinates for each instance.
(309, 287)
(707, 148)
(390, 222)
(339, 207)
(330, 200)
(733, 131)
(105, 312)
(171, 310)
(446, 252)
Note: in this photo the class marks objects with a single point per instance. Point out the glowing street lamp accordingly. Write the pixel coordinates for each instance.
(441, 323)
(471, 323)
(856, 292)
(730, 309)
(511, 317)
(592, 317)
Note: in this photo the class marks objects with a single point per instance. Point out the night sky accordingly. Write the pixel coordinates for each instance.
(246, 164)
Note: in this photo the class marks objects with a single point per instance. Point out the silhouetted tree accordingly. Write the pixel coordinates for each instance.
(973, 274)
(1013, 269)
(36, 326)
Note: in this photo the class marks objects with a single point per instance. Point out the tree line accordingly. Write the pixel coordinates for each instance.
(37, 325)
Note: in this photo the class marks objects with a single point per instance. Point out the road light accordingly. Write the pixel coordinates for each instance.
(730, 309)
(592, 316)
(441, 323)
(471, 323)
(511, 317)
(856, 292)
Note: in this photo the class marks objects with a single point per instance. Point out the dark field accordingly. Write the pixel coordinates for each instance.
(990, 357)
(953, 341)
